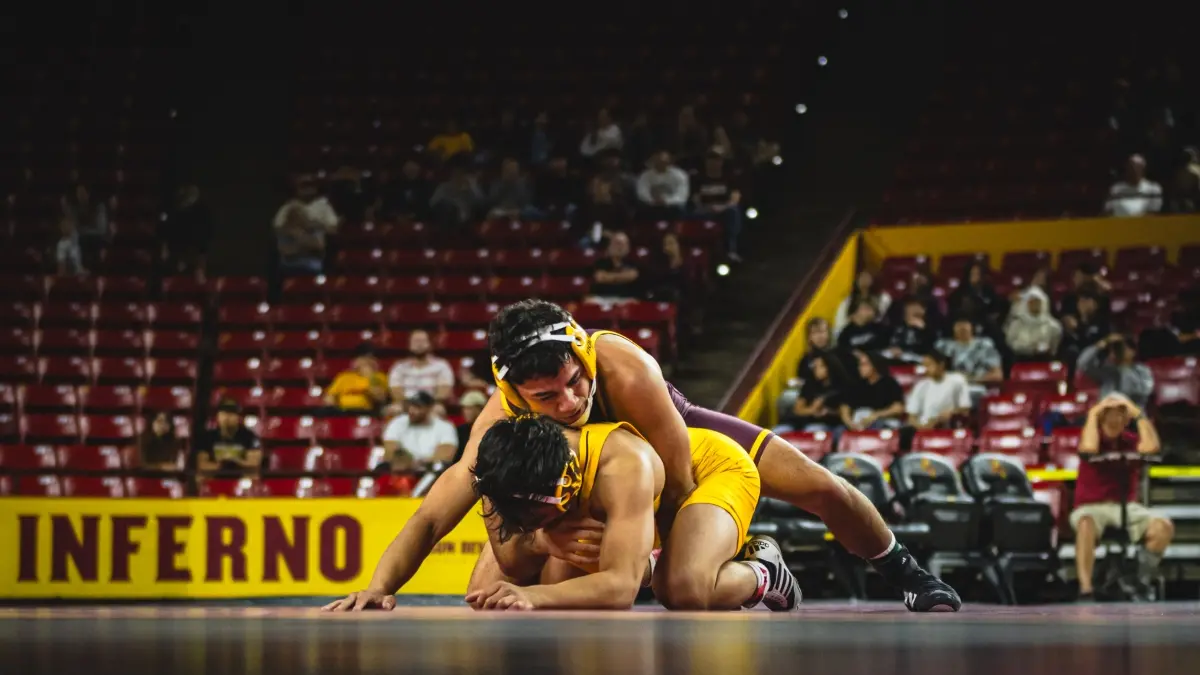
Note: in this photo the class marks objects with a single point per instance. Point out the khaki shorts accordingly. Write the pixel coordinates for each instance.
(1108, 514)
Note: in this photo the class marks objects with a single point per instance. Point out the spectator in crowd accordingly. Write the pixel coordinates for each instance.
(1032, 333)
(510, 195)
(472, 404)
(456, 201)
(919, 287)
(914, 338)
(451, 142)
(1135, 195)
(818, 408)
(68, 256)
(938, 397)
(976, 357)
(361, 389)
(662, 188)
(691, 138)
(818, 342)
(421, 371)
(985, 306)
(186, 233)
(476, 373)
(866, 287)
(1183, 194)
(602, 212)
(863, 333)
(408, 196)
(1082, 328)
(621, 183)
(605, 135)
(157, 447)
(1102, 486)
(301, 226)
(419, 439)
(558, 193)
(1086, 280)
(717, 197)
(230, 450)
(668, 280)
(613, 276)
(91, 217)
(877, 402)
(541, 140)
(1111, 364)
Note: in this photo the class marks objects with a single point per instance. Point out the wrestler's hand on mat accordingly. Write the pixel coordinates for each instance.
(500, 595)
(575, 540)
(357, 602)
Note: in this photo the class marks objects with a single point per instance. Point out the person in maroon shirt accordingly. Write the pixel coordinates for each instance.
(1101, 487)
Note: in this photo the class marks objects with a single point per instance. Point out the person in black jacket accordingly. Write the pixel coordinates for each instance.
(878, 400)
(863, 333)
(913, 338)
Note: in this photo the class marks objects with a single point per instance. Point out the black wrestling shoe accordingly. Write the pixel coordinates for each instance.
(923, 592)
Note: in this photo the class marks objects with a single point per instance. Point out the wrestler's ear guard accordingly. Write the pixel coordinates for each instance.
(566, 331)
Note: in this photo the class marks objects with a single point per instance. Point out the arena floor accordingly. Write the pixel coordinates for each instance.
(842, 639)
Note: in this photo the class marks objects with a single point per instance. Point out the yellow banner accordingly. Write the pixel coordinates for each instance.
(215, 548)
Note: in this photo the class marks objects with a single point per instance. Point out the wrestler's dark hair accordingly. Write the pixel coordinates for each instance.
(519, 456)
(517, 321)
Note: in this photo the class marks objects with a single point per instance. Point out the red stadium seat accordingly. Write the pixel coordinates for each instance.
(412, 262)
(351, 459)
(814, 444)
(477, 262)
(234, 372)
(471, 314)
(243, 343)
(108, 429)
(299, 317)
(32, 486)
(305, 289)
(1177, 392)
(172, 343)
(1140, 258)
(123, 315)
(593, 316)
(8, 397)
(907, 375)
(186, 289)
(550, 233)
(285, 430)
(346, 430)
(19, 315)
(89, 458)
(56, 398)
(228, 487)
(154, 488)
(72, 289)
(954, 264)
(125, 260)
(10, 428)
(570, 261)
(407, 288)
(1024, 263)
(293, 459)
(127, 289)
(464, 342)
(955, 444)
(706, 233)
(119, 343)
(394, 485)
(17, 341)
(73, 341)
(286, 487)
(1071, 406)
(1002, 405)
(249, 398)
(1175, 368)
(416, 314)
(327, 369)
(1063, 450)
(460, 288)
(360, 261)
(512, 289)
(292, 400)
(648, 339)
(566, 289)
(503, 234)
(288, 371)
(344, 342)
(177, 316)
(50, 428)
(880, 444)
(241, 289)
(109, 399)
(116, 370)
(244, 317)
(167, 371)
(27, 457)
(520, 261)
(22, 288)
(16, 369)
(1025, 445)
(295, 343)
(358, 317)
(68, 369)
(363, 488)
(354, 289)
(93, 486)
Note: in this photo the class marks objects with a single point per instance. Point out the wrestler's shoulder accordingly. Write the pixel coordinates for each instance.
(621, 357)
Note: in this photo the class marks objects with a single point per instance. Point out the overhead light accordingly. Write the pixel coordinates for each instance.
(801, 108)
(843, 14)
(777, 160)
(751, 213)
(821, 61)
(722, 270)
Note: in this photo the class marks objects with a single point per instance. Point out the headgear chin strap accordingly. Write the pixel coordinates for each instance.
(565, 331)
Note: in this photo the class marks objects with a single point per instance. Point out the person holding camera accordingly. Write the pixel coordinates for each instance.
(1110, 364)
(1101, 487)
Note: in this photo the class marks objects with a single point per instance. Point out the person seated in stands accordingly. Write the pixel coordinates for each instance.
(157, 446)
(68, 256)
(614, 277)
(1032, 333)
(877, 401)
(359, 390)
(510, 195)
(602, 212)
(939, 397)
(818, 342)
(663, 188)
(818, 408)
(451, 142)
(230, 450)
(1111, 363)
(418, 440)
(90, 216)
(866, 286)
(863, 333)
(457, 200)
(472, 404)
(690, 139)
(986, 305)
(1082, 328)
(603, 135)
(406, 197)
(1101, 487)
(1134, 195)
(422, 370)
(913, 338)
(301, 226)
(921, 288)
(558, 193)
(718, 196)
(1086, 280)
(976, 357)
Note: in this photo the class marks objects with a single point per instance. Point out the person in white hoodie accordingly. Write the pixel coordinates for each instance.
(1031, 331)
(663, 187)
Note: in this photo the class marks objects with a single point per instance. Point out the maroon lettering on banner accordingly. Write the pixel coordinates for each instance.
(218, 549)
(276, 546)
(28, 526)
(442, 548)
(123, 546)
(169, 547)
(83, 551)
(352, 531)
(472, 547)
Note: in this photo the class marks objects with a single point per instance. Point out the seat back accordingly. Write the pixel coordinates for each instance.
(863, 472)
(1013, 519)
(925, 473)
(991, 474)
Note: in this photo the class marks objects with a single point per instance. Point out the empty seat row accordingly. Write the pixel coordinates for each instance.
(103, 342)
(118, 487)
(95, 398)
(83, 370)
(17, 458)
(1026, 444)
(1142, 258)
(85, 316)
(39, 428)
